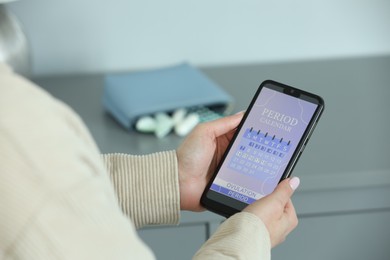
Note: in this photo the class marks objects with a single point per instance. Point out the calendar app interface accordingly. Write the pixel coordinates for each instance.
(264, 145)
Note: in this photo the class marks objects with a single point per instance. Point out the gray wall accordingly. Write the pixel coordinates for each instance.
(94, 35)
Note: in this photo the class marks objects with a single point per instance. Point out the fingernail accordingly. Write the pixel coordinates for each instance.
(294, 183)
(241, 112)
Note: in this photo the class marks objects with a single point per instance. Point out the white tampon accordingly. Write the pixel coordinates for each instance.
(179, 115)
(164, 125)
(146, 124)
(186, 125)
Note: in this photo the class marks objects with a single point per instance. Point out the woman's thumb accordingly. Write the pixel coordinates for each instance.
(285, 189)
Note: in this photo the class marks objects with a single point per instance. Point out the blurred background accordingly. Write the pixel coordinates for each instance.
(98, 36)
(339, 49)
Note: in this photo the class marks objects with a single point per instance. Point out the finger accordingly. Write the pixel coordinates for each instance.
(226, 124)
(285, 189)
(291, 215)
(289, 209)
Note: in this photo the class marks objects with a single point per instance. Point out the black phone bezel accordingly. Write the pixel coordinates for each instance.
(227, 206)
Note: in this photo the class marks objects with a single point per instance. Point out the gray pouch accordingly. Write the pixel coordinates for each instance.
(132, 95)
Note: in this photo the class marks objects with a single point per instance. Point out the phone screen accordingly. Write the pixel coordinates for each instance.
(264, 145)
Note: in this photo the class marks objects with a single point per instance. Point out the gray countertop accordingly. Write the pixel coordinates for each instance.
(351, 139)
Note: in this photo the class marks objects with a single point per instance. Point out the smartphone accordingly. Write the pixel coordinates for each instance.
(265, 147)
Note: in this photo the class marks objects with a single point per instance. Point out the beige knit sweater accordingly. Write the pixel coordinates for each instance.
(59, 197)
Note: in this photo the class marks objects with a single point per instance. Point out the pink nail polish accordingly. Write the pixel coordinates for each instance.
(294, 183)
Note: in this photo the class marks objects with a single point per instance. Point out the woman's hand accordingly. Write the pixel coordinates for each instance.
(199, 155)
(277, 211)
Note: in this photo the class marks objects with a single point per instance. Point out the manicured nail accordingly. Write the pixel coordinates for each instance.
(294, 183)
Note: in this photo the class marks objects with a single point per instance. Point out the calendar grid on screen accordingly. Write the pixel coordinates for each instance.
(259, 153)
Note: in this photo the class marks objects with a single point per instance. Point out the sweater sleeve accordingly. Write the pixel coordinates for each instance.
(242, 236)
(57, 201)
(147, 186)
